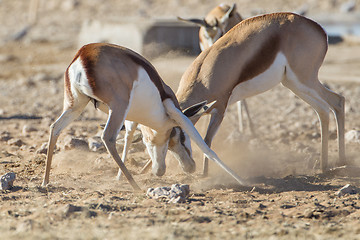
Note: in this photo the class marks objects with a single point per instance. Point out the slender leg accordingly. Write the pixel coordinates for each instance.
(251, 125)
(64, 120)
(112, 128)
(337, 103)
(239, 105)
(130, 129)
(313, 96)
(215, 121)
(340, 119)
(146, 167)
(324, 125)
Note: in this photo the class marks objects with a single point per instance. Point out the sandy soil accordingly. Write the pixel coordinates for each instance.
(288, 197)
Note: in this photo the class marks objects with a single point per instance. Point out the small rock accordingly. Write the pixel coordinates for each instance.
(347, 189)
(5, 136)
(287, 206)
(315, 135)
(73, 142)
(27, 129)
(352, 136)
(179, 190)
(7, 181)
(309, 213)
(201, 219)
(69, 209)
(43, 149)
(262, 206)
(158, 192)
(85, 212)
(176, 194)
(16, 142)
(7, 58)
(96, 144)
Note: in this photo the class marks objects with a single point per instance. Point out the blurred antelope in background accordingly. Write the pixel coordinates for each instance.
(123, 84)
(216, 23)
(253, 57)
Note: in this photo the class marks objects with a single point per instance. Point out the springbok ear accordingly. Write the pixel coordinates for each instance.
(198, 109)
(199, 22)
(229, 13)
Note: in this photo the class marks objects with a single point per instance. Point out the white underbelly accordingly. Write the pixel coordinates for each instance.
(145, 105)
(262, 82)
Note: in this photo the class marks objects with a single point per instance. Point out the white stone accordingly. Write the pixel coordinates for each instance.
(73, 142)
(27, 129)
(352, 136)
(176, 194)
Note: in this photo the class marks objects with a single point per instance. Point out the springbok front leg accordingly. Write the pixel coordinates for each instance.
(216, 118)
(115, 121)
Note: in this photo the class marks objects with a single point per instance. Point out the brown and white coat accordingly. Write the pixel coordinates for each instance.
(256, 55)
(123, 84)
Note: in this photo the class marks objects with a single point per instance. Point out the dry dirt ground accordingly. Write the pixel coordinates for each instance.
(288, 197)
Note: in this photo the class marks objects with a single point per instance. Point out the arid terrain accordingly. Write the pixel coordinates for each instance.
(288, 196)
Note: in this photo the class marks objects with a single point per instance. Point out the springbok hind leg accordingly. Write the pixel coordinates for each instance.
(315, 98)
(69, 114)
(337, 104)
(240, 116)
(112, 128)
(240, 106)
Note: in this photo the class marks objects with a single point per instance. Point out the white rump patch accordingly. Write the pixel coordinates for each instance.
(261, 83)
(78, 78)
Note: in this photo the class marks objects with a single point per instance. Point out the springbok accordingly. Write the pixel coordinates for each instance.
(216, 23)
(126, 86)
(255, 56)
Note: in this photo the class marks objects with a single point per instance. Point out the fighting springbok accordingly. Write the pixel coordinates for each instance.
(216, 23)
(253, 57)
(126, 86)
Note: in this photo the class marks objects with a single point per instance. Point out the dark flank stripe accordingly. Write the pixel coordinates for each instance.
(262, 60)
